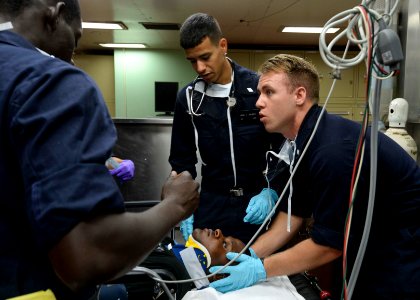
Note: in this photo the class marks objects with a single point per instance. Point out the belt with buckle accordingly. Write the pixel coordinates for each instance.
(236, 192)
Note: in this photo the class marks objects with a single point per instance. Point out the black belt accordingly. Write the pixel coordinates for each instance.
(233, 191)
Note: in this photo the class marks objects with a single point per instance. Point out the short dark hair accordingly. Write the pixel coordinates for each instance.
(198, 26)
(71, 10)
(14, 8)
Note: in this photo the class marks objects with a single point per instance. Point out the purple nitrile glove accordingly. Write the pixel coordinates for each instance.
(125, 170)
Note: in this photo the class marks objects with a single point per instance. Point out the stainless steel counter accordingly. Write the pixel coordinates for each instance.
(146, 142)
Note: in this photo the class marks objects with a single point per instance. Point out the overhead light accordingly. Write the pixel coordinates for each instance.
(131, 45)
(104, 25)
(308, 29)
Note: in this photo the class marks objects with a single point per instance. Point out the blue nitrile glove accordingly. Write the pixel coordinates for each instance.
(187, 227)
(260, 206)
(125, 170)
(249, 271)
(253, 254)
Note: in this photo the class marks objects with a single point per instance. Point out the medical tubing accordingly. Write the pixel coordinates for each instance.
(357, 168)
(192, 114)
(360, 14)
(331, 59)
(372, 189)
(270, 214)
(348, 222)
(357, 18)
(154, 276)
(232, 150)
(289, 198)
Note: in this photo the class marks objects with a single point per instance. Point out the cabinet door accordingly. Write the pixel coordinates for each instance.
(344, 88)
(242, 58)
(340, 108)
(101, 69)
(359, 111)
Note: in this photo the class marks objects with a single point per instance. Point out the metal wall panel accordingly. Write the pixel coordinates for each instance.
(410, 39)
(409, 82)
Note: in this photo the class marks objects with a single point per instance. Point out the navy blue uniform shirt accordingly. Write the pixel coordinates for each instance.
(321, 188)
(55, 135)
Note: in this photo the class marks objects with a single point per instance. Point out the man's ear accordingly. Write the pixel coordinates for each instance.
(54, 15)
(300, 94)
(223, 44)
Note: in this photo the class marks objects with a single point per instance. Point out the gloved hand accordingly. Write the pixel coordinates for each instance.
(125, 170)
(249, 271)
(260, 206)
(187, 227)
(253, 254)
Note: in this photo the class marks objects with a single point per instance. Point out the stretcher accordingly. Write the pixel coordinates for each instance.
(141, 286)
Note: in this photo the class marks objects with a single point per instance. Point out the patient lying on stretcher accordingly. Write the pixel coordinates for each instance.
(212, 246)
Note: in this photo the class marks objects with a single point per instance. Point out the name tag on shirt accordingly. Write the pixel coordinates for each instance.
(249, 115)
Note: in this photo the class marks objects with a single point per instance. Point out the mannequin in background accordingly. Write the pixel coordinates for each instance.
(397, 116)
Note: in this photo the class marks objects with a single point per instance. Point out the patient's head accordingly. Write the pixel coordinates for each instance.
(217, 244)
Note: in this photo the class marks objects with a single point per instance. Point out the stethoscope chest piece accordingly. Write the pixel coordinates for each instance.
(231, 101)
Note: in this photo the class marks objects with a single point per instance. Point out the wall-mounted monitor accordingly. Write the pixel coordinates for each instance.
(165, 96)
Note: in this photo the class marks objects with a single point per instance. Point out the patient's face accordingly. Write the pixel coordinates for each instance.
(217, 244)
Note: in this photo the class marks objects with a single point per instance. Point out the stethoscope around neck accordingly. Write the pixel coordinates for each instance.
(230, 102)
(191, 96)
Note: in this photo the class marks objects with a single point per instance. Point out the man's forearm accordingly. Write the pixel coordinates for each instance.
(306, 255)
(277, 235)
(108, 247)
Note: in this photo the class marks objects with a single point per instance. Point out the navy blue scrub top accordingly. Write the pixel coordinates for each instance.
(56, 134)
(218, 208)
(321, 189)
